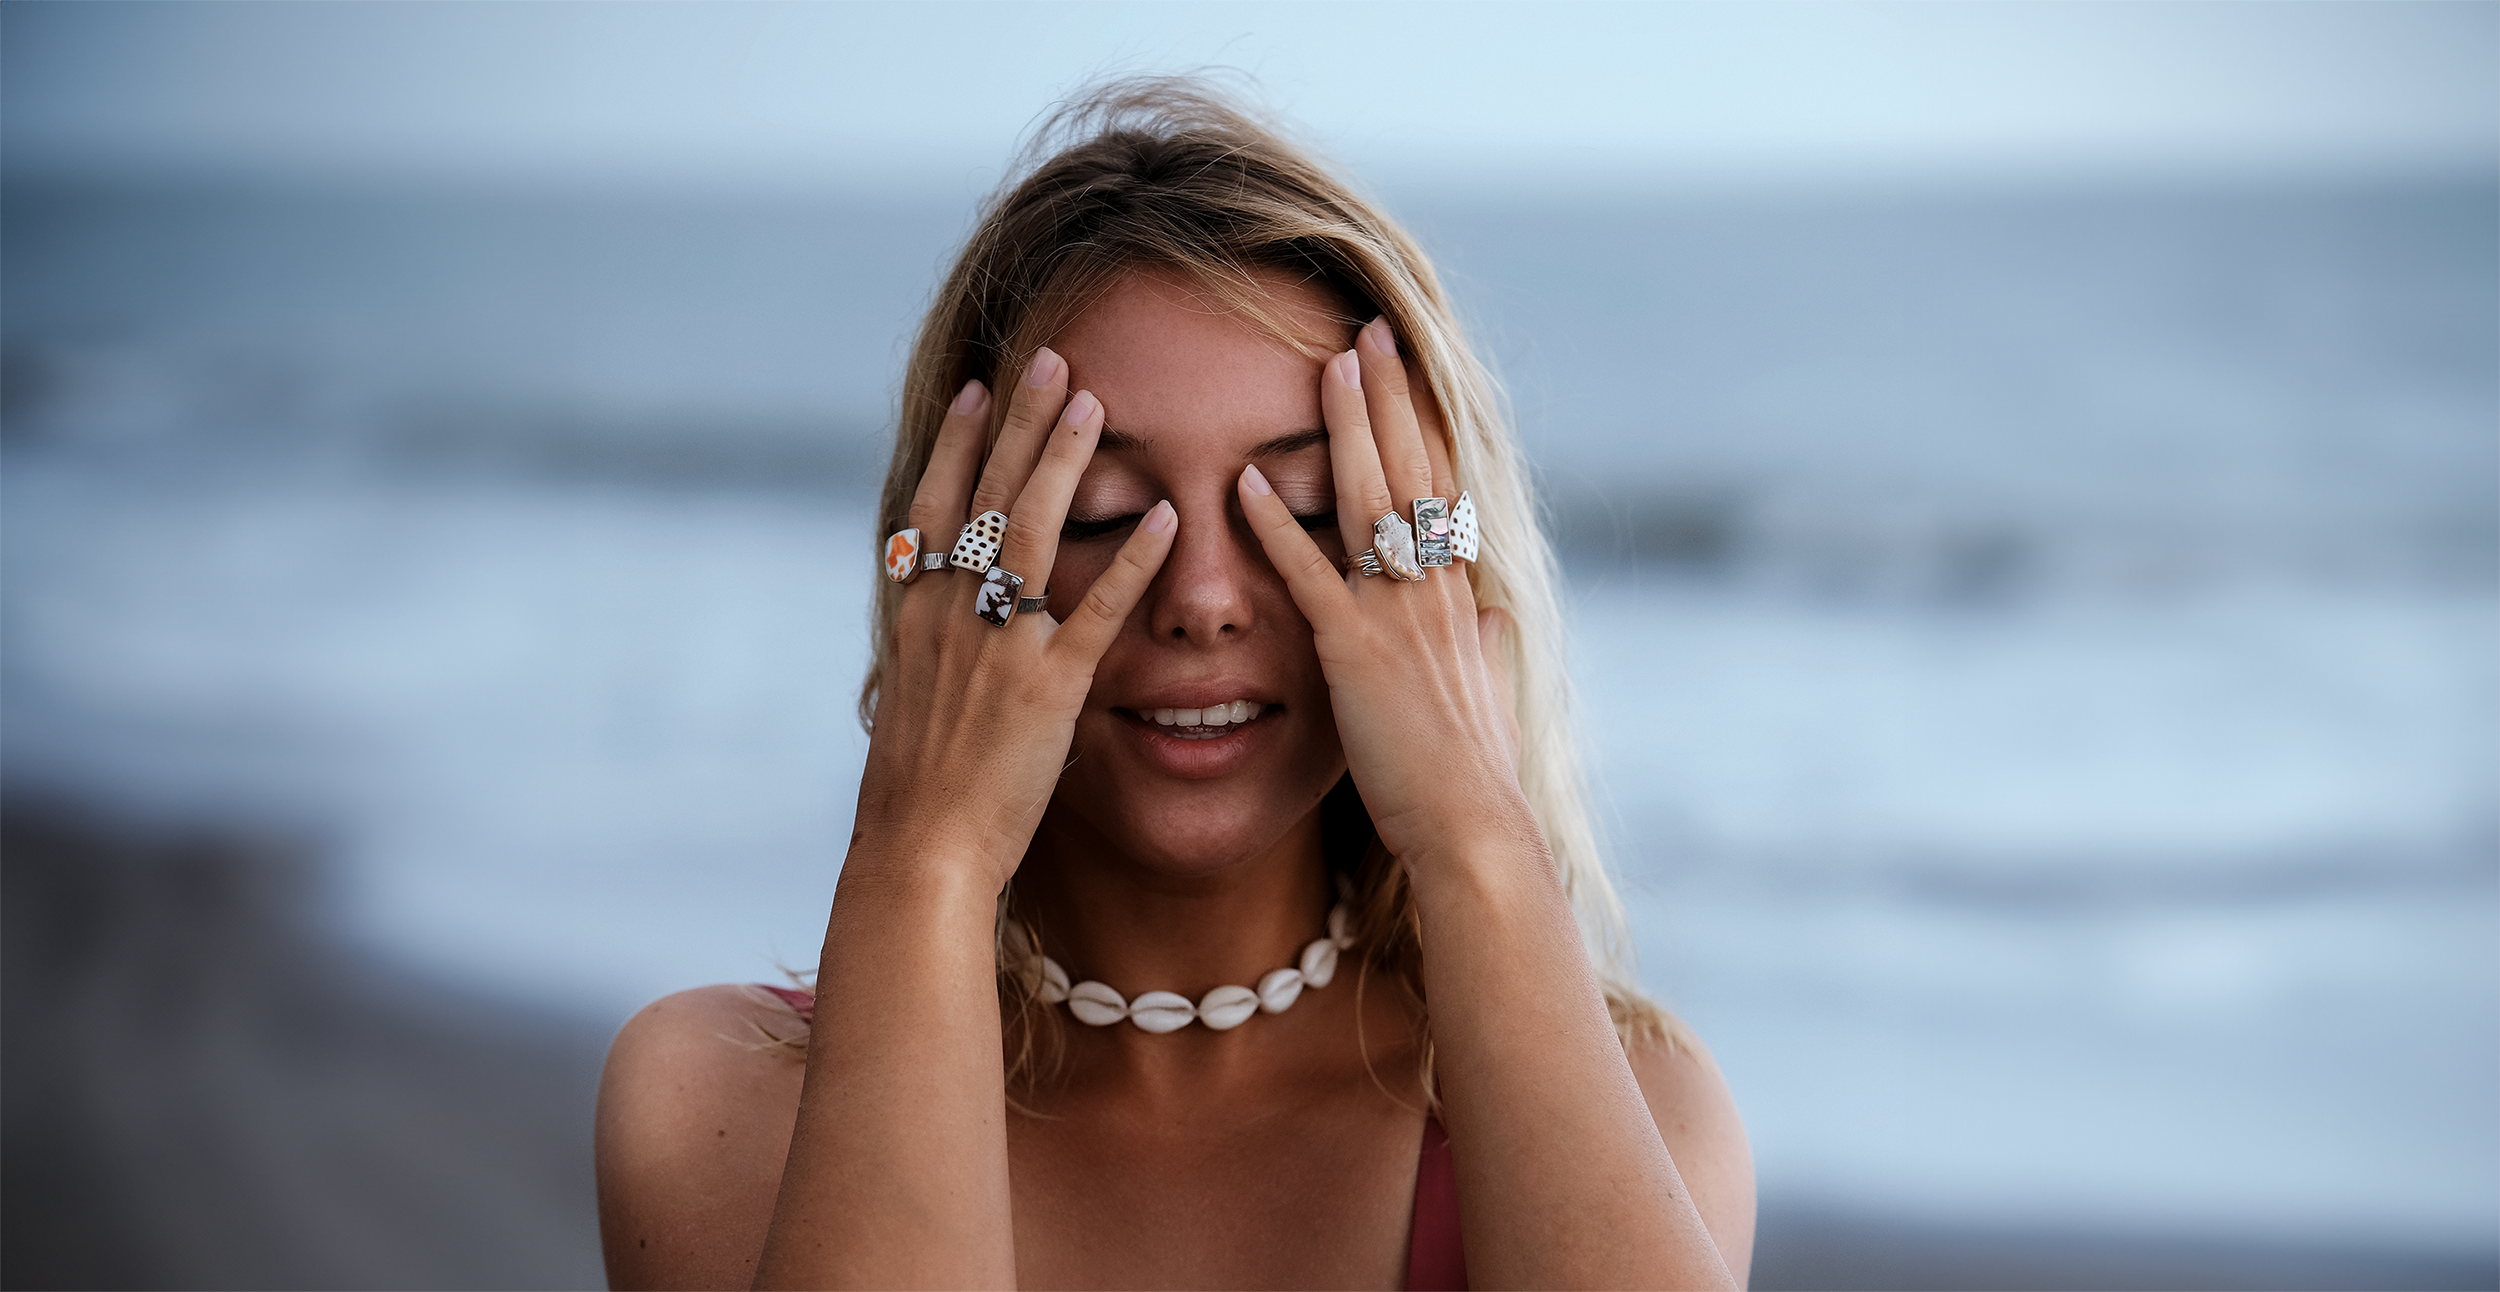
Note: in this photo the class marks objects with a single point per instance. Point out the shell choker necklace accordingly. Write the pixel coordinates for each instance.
(1222, 1009)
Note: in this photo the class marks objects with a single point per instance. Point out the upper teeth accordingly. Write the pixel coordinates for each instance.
(1214, 715)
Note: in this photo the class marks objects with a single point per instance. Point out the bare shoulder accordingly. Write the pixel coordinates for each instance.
(1697, 1118)
(695, 1110)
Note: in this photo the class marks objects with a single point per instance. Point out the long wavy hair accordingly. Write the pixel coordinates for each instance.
(1168, 175)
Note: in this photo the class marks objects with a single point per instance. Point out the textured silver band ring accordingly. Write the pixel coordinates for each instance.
(932, 561)
(1367, 561)
(1033, 605)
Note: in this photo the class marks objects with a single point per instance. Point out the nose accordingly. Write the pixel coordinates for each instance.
(1204, 593)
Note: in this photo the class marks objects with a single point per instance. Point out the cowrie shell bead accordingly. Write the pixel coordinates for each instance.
(1162, 1011)
(1279, 990)
(1054, 987)
(1096, 1004)
(1337, 928)
(1319, 962)
(1226, 1008)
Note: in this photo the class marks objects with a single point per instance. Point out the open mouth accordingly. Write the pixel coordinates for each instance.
(1211, 722)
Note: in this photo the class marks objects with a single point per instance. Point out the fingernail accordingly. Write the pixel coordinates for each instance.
(1258, 483)
(1044, 369)
(1160, 519)
(1377, 332)
(970, 398)
(1081, 409)
(1350, 370)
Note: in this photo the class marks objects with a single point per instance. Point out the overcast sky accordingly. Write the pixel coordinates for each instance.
(837, 95)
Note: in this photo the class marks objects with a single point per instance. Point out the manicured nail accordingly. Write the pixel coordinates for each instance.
(1350, 370)
(1081, 409)
(1258, 483)
(970, 398)
(1160, 519)
(1377, 332)
(1044, 369)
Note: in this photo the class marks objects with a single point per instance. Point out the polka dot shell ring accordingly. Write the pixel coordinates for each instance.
(977, 547)
(1098, 1005)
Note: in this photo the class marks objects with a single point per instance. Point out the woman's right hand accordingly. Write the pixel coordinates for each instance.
(973, 721)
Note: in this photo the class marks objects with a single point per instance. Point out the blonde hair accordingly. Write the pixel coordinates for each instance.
(1165, 175)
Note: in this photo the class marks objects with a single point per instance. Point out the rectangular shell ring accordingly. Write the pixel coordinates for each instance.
(996, 600)
(1432, 532)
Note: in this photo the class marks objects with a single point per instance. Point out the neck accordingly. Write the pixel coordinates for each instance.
(1106, 916)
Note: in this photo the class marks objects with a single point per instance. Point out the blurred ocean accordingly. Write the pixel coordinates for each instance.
(2039, 648)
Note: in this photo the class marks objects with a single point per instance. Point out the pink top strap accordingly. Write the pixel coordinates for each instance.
(801, 1001)
(1435, 1261)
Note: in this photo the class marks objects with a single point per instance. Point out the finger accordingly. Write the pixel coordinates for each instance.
(1361, 493)
(1031, 412)
(937, 506)
(1493, 637)
(1032, 545)
(1400, 440)
(1088, 630)
(1436, 437)
(1314, 581)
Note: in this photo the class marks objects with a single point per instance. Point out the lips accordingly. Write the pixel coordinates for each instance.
(1205, 720)
(1200, 741)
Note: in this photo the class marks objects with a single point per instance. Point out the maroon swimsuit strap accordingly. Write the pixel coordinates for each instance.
(1434, 1258)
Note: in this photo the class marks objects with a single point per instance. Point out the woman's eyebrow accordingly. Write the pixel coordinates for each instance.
(1111, 441)
(1293, 443)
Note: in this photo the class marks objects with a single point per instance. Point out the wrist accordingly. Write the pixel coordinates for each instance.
(923, 865)
(1499, 857)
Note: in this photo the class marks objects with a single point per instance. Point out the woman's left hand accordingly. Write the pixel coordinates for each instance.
(1415, 672)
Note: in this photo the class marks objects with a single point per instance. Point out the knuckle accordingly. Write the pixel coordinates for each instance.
(1026, 536)
(1097, 604)
(989, 495)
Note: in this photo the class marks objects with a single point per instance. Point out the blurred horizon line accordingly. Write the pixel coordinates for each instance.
(1554, 184)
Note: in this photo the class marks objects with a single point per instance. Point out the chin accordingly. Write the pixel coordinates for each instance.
(1191, 807)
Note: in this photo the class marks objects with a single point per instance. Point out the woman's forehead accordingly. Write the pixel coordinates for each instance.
(1167, 358)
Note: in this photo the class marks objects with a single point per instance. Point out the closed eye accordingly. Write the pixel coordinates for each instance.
(1077, 529)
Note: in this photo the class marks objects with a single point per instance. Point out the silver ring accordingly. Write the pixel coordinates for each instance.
(977, 546)
(1394, 540)
(932, 561)
(1366, 561)
(902, 555)
(996, 600)
(1432, 532)
(1033, 605)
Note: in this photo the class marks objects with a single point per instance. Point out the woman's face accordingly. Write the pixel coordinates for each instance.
(1190, 395)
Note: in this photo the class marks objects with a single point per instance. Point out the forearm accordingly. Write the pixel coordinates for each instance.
(1563, 1179)
(897, 1175)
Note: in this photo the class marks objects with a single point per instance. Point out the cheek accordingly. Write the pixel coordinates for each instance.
(1073, 573)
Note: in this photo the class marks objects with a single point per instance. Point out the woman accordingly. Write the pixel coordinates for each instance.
(1245, 827)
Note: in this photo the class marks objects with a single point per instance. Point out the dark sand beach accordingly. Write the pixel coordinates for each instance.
(200, 1092)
